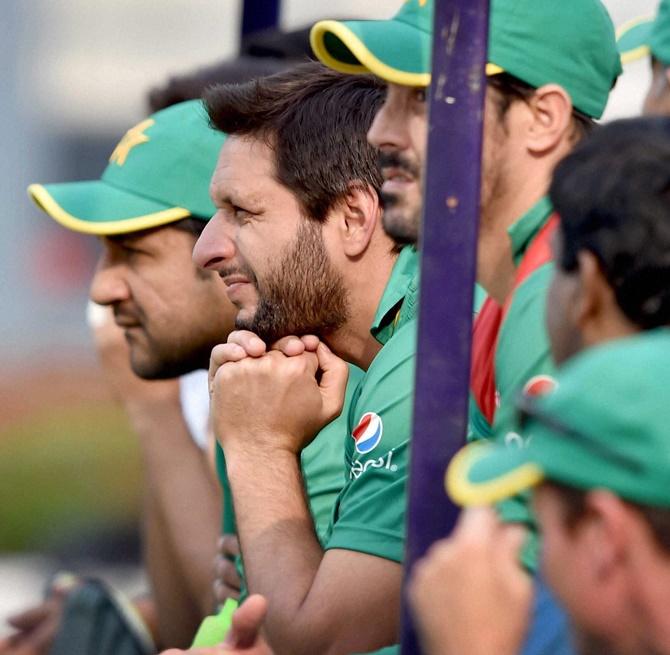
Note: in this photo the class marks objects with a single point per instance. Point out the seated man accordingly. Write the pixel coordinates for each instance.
(610, 285)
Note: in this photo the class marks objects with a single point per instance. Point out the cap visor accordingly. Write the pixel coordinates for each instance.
(396, 52)
(484, 473)
(96, 207)
(633, 38)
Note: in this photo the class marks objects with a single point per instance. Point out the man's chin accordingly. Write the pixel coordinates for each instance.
(401, 225)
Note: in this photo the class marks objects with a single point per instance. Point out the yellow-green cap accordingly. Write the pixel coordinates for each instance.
(604, 425)
(570, 43)
(158, 173)
(647, 34)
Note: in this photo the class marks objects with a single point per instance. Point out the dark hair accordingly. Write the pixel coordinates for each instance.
(511, 89)
(191, 224)
(315, 120)
(573, 501)
(613, 196)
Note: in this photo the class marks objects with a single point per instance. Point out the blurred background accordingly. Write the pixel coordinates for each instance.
(75, 77)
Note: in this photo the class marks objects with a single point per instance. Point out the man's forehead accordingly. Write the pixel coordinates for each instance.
(245, 165)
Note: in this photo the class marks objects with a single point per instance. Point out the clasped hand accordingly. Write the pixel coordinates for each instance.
(277, 398)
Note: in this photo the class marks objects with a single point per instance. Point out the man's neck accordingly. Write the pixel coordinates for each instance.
(495, 259)
(353, 342)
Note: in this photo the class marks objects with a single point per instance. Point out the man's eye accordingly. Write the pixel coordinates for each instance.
(421, 95)
(240, 213)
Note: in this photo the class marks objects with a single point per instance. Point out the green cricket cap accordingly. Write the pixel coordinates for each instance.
(647, 34)
(158, 173)
(606, 424)
(570, 43)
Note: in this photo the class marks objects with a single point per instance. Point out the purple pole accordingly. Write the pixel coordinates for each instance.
(448, 262)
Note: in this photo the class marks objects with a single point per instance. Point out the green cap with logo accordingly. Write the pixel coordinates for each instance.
(606, 424)
(566, 42)
(157, 174)
(648, 34)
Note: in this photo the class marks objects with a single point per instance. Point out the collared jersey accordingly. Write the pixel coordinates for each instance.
(369, 515)
(522, 353)
(321, 469)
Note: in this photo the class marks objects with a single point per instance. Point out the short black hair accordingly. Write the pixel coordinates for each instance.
(613, 196)
(511, 89)
(315, 120)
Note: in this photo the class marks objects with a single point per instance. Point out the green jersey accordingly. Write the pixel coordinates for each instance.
(321, 469)
(511, 351)
(369, 515)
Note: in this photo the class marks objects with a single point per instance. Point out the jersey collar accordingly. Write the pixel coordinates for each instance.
(399, 300)
(522, 232)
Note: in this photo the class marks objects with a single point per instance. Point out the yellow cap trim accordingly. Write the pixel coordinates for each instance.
(370, 63)
(641, 51)
(630, 24)
(635, 54)
(465, 493)
(45, 201)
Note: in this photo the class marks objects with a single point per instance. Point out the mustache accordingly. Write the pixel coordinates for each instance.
(240, 269)
(396, 160)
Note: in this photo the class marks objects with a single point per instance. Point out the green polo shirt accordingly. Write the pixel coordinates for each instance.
(321, 469)
(523, 349)
(369, 515)
(523, 352)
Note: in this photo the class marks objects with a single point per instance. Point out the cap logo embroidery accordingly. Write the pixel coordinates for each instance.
(133, 137)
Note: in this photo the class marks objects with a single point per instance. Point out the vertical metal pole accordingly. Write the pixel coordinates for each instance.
(259, 15)
(448, 250)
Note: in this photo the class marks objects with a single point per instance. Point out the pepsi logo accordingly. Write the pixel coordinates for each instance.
(539, 385)
(368, 433)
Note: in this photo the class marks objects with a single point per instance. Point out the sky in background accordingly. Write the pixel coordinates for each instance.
(78, 72)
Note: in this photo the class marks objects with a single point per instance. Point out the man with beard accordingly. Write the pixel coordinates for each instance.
(148, 208)
(551, 67)
(643, 37)
(301, 248)
(596, 444)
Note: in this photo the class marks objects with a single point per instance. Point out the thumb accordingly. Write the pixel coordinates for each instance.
(246, 622)
(333, 383)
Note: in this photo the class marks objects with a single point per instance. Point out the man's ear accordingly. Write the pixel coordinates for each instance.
(551, 110)
(358, 212)
(594, 295)
(610, 527)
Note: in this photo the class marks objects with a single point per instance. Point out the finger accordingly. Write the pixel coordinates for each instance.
(40, 639)
(28, 619)
(253, 345)
(229, 545)
(311, 342)
(290, 346)
(220, 355)
(333, 383)
(477, 524)
(247, 621)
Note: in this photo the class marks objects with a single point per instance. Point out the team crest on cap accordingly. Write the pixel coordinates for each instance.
(133, 137)
(539, 385)
(368, 433)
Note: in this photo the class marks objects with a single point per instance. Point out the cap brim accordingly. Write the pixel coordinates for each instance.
(96, 207)
(365, 47)
(484, 473)
(633, 38)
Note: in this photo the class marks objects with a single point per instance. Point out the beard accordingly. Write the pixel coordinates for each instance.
(401, 221)
(302, 295)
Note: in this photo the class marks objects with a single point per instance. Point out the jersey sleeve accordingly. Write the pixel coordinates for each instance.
(369, 515)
